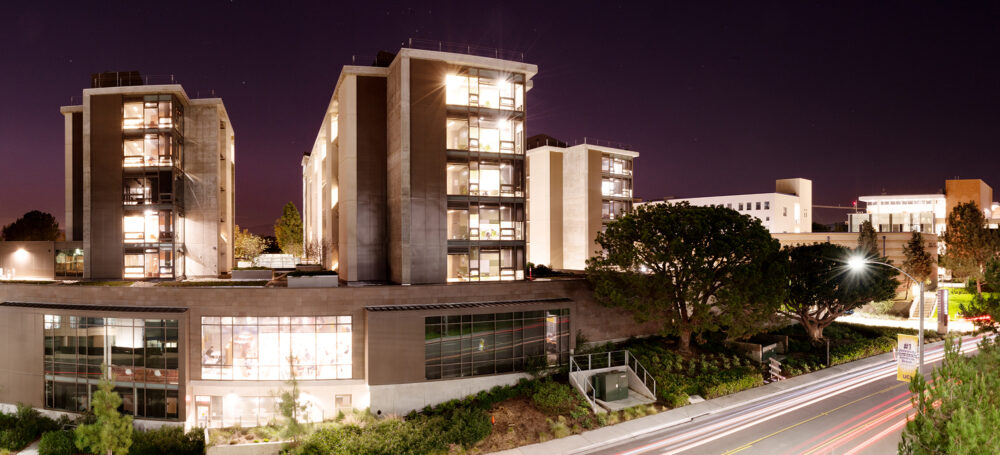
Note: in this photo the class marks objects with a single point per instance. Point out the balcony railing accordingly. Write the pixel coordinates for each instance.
(468, 49)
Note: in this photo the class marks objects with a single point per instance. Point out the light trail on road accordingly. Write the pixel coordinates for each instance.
(893, 412)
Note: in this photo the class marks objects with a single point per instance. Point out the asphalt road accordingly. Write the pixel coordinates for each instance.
(862, 412)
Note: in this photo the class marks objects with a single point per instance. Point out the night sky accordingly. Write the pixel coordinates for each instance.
(717, 98)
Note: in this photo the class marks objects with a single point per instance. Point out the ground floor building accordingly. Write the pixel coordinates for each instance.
(218, 357)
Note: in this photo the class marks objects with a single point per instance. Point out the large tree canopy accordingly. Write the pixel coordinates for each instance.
(969, 244)
(694, 269)
(822, 287)
(34, 225)
(288, 230)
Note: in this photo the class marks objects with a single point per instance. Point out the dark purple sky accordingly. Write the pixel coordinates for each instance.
(717, 98)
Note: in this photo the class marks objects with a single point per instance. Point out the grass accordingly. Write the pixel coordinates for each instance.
(196, 284)
(26, 282)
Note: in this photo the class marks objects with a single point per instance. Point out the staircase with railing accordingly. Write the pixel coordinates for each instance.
(583, 366)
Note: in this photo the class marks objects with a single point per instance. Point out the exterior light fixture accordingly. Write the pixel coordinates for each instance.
(21, 254)
(858, 263)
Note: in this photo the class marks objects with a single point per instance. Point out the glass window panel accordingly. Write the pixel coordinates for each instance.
(458, 179)
(457, 90)
(457, 134)
(245, 360)
(458, 224)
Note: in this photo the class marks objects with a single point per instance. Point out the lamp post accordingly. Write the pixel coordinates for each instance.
(857, 263)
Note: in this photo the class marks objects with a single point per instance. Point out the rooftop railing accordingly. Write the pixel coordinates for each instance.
(468, 49)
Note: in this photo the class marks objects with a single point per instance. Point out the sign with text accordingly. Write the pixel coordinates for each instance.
(907, 358)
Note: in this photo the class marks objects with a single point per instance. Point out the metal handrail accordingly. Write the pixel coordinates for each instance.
(630, 361)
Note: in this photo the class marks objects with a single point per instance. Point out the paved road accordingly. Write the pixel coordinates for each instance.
(862, 412)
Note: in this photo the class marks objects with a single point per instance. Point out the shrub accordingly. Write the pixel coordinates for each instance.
(882, 307)
(554, 398)
(559, 428)
(57, 443)
(19, 429)
(168, 441)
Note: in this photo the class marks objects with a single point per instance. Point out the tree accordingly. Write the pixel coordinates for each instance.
(822, 288)
(34, 225)
(289, 406)
(111, 433)
(969, 244)
(867, 239)
(694, 269)
(247, 245)
(917, 262)
(288, 231)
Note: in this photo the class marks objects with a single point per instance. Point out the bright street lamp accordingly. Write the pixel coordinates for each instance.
(857, 263)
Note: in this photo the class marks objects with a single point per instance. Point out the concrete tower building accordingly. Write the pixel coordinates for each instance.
(572, 193)
(149, 180)
(417, 173)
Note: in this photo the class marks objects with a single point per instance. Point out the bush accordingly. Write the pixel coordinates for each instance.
(57, 443)
(168, 441)
(555, 398)
(730, 381)
(883, 307)
(19, 429)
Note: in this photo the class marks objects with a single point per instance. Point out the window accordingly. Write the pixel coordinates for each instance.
(233, 410)
(496, 343)
(69, 263)
(767, 205)
(784, 211)
(458, 133)
(458, 178)
(267, 348)
(458, 224)
(485, 264)
(485, 88)
(343, 401)
(757, 207)
(141, 354)
(741, 206)
(729, 206)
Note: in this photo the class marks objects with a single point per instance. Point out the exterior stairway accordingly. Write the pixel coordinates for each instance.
(642, 386)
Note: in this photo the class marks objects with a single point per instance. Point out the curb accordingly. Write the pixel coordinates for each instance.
(846, 368)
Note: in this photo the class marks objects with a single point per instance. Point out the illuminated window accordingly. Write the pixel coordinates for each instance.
(458, 267)
(457, 92)
(458, 178)
(458, 224)
(266, 348)
(458, 134)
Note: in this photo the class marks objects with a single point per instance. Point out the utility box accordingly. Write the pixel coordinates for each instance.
(611, 386)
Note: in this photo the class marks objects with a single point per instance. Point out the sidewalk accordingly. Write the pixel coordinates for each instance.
(592, 439)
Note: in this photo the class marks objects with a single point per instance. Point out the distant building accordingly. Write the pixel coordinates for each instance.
(926, 213)
(417, 172)
(149, 181)
(572, 193)
(787, 210)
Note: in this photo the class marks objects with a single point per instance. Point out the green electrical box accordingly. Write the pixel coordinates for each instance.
(611, 386)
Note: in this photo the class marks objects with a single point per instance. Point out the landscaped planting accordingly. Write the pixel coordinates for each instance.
(19, 429)
(709, 375)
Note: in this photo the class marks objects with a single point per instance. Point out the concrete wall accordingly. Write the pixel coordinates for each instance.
(398, 169)
(968, 190)
(428, 166)
(208, 189)
(27, 260)
(102, 182)
(545, 207)
(400, 399)
(370, 228)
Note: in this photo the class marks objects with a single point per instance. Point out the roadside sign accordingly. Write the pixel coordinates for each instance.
(942, 307)
(906, 357)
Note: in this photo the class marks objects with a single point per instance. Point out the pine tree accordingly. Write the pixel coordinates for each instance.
(918, 262)
(290, 407)
(969, 244)
(868, 240)
(111, 434)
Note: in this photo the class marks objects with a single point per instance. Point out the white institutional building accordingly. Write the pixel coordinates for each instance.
(787, 210)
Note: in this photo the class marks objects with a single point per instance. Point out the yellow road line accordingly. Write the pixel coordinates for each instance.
(751, 443)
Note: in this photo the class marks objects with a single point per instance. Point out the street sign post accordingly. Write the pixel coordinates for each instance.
(907, 362)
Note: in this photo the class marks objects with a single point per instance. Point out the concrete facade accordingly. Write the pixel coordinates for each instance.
(375, 197)
(571, 194)
(787, 210)
(198, 181)
(387, 333)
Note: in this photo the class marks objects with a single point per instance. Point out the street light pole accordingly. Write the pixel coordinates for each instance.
(858, 262)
